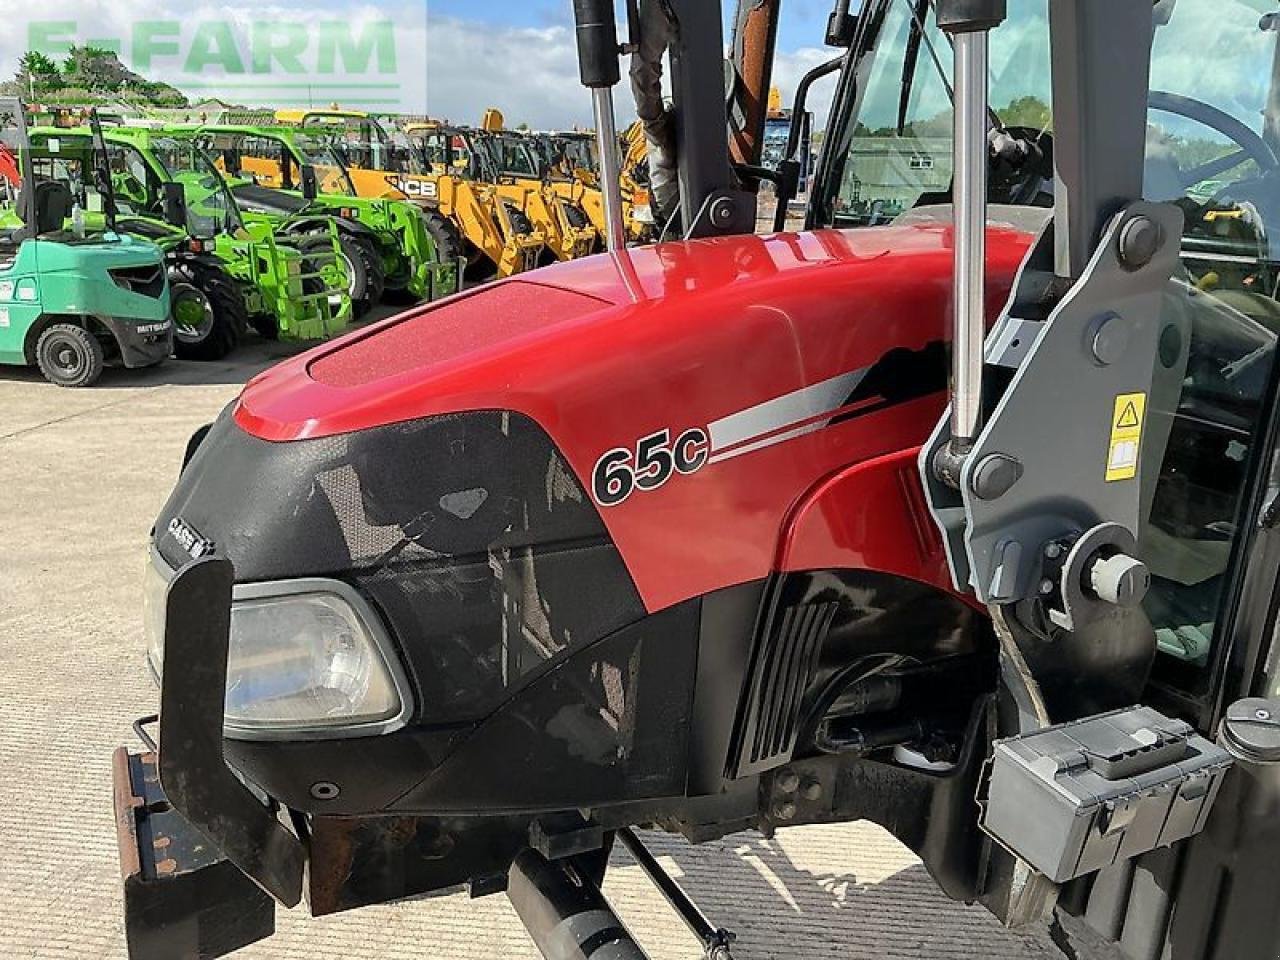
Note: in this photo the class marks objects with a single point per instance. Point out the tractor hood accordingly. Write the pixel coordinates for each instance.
(535, 341)
(700, 387)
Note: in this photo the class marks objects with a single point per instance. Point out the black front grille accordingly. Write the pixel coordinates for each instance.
(785, 657)
(147, 280)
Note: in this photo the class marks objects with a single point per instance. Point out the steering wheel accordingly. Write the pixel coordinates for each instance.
(1252, 147)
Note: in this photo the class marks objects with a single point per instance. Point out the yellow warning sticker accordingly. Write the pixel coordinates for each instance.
(1126, 436)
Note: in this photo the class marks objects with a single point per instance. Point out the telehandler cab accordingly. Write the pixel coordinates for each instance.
(74, 296)
(687, 537)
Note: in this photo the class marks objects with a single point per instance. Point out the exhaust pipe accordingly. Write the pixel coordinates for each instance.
(968, 22)
(566, 915)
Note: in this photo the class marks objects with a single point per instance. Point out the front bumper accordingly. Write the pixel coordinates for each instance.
(141, 343)
(181, 897)
(198, 783)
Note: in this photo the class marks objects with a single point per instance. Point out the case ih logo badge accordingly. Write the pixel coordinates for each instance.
(191, 542)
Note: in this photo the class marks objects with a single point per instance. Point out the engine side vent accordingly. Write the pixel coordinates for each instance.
(784, 661)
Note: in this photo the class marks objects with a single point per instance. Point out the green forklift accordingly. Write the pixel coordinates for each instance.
(237, 272)
(73, 298)
(282, 171)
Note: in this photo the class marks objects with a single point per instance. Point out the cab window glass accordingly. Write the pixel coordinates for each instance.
(1213, 135)
(1210, 150)
(899, 151)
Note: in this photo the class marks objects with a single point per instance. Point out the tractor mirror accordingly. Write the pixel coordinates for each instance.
(174, 200)
(841, 25)
(310, 185)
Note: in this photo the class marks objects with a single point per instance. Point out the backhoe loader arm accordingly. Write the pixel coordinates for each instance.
(755, 35)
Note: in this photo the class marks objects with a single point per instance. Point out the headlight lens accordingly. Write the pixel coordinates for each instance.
(305, 657)
(306, 660)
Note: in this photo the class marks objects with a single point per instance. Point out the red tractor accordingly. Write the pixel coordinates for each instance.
(686, 537)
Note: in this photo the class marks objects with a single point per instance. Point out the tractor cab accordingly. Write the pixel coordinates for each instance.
(276, 157)
(76, 293)
(955, 513)
(569, 154)
(889, 160)
(366, 148)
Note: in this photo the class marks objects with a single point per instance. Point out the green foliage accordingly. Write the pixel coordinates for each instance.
(1027, 112)
(36, 64)
(88, 75)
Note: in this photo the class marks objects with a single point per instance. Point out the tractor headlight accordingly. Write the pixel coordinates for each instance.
(307, 659)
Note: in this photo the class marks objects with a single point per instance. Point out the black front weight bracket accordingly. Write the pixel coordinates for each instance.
(181, 899)
(196, 778)
(203, 860)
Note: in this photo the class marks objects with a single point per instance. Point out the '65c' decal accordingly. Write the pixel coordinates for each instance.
(654, 461)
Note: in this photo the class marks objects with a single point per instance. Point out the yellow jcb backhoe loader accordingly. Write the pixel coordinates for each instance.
(466, 218)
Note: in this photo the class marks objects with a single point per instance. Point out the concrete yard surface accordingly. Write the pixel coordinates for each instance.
(83, 474)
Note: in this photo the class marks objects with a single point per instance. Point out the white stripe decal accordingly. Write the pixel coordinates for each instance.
(768, 441)
(781, 412)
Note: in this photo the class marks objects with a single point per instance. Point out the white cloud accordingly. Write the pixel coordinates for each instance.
(790, 66)
(446, 66)
(530, 73)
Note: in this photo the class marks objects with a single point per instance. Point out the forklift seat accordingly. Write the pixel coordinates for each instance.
(53, 203)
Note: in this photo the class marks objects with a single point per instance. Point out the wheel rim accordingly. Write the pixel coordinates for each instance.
(66, 358)
(192, 317)
(350, 267)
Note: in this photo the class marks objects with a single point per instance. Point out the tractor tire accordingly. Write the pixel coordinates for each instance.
(520, 223)
(265, 326)
(579, 220)
(365, 276)
(215, 330)
(445, 236)
(374, 266)
(69, 356)
(452, 246)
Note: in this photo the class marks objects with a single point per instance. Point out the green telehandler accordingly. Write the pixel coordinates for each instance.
(282, 171)
(237, 272)
(73, 298)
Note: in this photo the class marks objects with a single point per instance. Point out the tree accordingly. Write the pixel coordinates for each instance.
(38, 71)
(1029, 112)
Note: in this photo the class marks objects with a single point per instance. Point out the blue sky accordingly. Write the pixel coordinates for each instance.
(803, 21)
(452, 58)
(520, 56)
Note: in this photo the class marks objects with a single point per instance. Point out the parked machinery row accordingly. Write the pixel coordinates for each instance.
(299, 257)
(505, 200)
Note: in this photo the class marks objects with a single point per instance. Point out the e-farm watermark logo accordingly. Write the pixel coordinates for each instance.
(308, 59)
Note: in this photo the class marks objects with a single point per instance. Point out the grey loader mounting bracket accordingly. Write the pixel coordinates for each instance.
(1049, 498)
